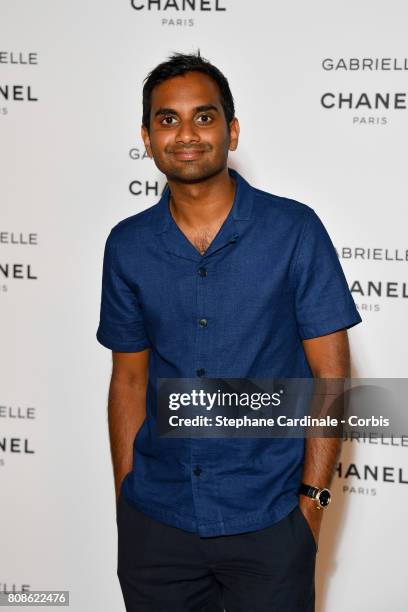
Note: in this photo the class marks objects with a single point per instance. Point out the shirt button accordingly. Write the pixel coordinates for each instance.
(197, 471)
(200, 372)
(202, 271)
(202, 322)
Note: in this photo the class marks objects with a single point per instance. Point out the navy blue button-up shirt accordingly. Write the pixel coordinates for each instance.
(270, 278)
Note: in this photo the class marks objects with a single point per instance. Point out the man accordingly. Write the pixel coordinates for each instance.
(218, 280)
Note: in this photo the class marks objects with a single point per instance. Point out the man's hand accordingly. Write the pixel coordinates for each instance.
(118, 484)
(312, 514)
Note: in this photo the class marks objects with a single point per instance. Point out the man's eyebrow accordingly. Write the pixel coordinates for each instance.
(165, 111)
(206, 107)
(198, 109)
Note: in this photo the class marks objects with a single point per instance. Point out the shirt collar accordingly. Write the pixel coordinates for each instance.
(241, 207)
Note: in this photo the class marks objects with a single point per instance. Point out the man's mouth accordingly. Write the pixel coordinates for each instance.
(188, 154)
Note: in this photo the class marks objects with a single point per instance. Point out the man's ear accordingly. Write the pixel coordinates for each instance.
(146, 139)
(234, 134)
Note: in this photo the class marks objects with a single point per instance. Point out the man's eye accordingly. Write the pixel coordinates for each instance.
(204, 118)
(168, 120)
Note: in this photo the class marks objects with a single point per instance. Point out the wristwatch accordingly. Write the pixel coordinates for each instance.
(322, 496)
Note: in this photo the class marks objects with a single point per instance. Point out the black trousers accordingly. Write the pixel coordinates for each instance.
(166, 569)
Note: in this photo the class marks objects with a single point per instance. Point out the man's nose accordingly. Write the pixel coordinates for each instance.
(187, 133)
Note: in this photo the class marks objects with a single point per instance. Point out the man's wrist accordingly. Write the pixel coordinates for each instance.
(321, 496)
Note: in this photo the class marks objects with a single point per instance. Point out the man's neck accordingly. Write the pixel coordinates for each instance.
(202, 204)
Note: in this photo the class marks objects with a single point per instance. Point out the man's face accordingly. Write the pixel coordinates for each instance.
(189, 137)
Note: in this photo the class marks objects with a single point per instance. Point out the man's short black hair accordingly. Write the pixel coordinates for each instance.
(178, 64)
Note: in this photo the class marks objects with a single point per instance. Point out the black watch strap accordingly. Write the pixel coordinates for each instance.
(308, 490)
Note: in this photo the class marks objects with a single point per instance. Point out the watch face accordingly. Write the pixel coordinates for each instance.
(324, 498)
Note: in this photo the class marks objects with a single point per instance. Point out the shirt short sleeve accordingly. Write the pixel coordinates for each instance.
(121, 327)
(323, 301)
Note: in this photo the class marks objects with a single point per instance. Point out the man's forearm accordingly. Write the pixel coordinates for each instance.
(126, 413)
(321, 456)
(321, 453)
(329, 358)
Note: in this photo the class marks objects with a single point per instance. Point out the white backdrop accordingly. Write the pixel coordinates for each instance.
(71, 164)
